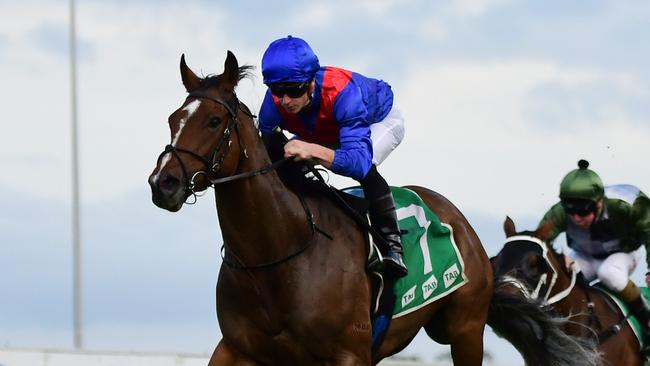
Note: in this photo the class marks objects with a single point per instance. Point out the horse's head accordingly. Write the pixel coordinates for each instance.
(527, 261)
(205, 140)
(522, 254)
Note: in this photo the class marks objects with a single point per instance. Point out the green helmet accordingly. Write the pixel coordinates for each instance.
(582, 184)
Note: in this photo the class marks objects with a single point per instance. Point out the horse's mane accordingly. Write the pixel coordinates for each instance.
(212, 80)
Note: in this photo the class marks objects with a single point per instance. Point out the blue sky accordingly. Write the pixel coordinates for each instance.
(501, 97)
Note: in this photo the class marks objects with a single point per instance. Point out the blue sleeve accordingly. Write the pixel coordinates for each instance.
(354, 156)
(269, 115)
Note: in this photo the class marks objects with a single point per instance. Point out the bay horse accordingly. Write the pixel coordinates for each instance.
(535, 270)
(293, 289)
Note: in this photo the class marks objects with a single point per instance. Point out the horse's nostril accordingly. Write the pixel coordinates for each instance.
(169, 184)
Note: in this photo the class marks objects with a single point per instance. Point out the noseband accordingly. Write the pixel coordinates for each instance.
(535, 294)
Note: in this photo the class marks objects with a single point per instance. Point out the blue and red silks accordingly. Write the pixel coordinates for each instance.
(343, 107)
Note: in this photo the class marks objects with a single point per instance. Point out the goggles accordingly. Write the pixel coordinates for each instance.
(293, 90)
(579, 207)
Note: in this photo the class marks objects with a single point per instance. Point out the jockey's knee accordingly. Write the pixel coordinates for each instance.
(587, 268)
(613, 277)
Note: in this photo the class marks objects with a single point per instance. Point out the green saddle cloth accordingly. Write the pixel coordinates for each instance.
(435, 267)
(631, 320)
(432, 257)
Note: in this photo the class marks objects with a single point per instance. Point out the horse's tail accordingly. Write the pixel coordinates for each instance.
(535, 332)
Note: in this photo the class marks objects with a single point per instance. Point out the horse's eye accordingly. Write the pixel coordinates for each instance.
(215, 122)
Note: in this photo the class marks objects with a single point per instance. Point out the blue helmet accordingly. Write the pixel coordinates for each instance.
(289, 60)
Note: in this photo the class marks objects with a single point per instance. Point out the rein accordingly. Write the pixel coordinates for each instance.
(264, 170)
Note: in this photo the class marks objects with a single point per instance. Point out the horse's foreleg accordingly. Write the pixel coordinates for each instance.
(467, 346)
(349, 359)
(225, 355)
(465, 325)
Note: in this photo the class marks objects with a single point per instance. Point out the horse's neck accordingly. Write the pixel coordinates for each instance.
(586, 307)
(260, 218)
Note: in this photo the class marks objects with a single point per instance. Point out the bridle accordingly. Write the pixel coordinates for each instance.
(535, 294)
(220, 151)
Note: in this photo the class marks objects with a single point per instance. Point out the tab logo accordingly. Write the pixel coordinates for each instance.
(450, 275)
(429, 287)
(408, 296)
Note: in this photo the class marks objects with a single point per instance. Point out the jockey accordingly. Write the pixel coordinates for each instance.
(342, 120)
(604, 227)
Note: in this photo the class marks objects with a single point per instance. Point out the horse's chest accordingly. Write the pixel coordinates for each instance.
(297, 317)
(287, 336)
(283, 348)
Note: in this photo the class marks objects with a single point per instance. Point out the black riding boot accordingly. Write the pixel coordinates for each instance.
(384, 219)
(639, 308)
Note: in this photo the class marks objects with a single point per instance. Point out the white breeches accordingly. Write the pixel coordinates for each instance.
(614, 271)
(386, 135)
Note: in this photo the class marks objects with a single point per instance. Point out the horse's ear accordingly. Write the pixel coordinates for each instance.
(509, 227)
(190, 80)
(544, 230)
(231, 69)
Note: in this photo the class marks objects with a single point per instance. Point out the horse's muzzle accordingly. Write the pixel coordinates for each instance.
(167, 191)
